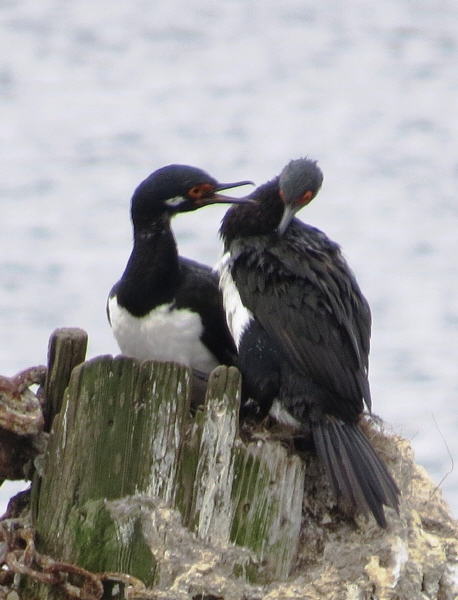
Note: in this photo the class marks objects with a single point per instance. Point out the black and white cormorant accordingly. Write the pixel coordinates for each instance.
(166, 307)
(302, 329)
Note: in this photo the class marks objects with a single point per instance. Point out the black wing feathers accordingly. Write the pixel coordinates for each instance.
(201, 293)
(313, 311)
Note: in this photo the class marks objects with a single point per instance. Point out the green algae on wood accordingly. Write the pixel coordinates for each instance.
(125, 444)
(118, 434)
(121, 525)
(267, 496)
(212, 507)
(103, 542)
(250, 494)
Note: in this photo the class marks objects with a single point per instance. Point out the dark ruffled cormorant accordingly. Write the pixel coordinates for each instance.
(166, 307)
(302, 329)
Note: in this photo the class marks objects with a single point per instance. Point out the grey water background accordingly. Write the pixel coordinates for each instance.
(96, 95)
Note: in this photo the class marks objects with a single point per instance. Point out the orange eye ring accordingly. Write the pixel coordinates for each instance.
(195, 192)
(306, 198)
(202, 190)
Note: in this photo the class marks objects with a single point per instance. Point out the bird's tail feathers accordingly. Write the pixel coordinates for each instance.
(355, 472)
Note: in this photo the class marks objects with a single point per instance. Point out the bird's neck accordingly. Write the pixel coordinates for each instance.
(258, 219)
(152, 272)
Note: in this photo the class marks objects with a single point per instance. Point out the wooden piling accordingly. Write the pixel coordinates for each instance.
(66, 349)
(118, 434)
(142, 496)
(124, 434)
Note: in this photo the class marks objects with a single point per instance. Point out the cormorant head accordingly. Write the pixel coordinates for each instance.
(299, 183)
(178, 188)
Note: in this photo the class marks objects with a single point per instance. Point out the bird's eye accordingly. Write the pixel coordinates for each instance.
(195, 192)
(306, 198)
(202, 190)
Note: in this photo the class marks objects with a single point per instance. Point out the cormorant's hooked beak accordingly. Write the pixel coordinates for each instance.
(228, 186)
(223, 199)
(288, 216)
(291, 208)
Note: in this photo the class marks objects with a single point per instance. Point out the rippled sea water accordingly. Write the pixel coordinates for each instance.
(94, 96)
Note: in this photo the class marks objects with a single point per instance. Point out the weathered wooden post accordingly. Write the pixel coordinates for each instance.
(136, 492)
(118, 434)
(67, 349)
(124, 435)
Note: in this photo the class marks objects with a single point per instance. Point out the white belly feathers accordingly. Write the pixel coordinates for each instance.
(163, 334)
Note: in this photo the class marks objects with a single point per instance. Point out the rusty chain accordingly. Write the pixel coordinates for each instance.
(20, 410)
(18, 556)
